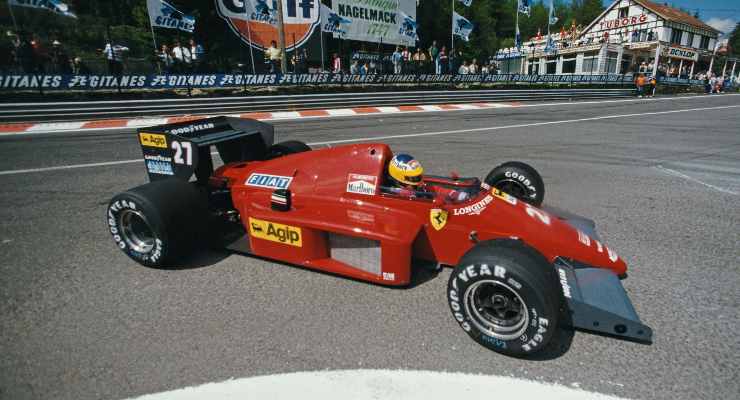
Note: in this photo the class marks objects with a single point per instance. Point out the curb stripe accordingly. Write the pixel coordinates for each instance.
(52, 127)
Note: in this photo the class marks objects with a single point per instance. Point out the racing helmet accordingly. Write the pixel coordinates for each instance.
(404, 169)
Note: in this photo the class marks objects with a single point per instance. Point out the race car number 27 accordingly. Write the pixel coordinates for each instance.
(183, 152)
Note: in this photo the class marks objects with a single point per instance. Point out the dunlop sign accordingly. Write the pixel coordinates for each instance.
(686, 54)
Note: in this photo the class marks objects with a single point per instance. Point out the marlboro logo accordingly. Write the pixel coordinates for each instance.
(361, 184)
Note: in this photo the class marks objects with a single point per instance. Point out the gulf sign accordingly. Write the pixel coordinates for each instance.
(255, 21)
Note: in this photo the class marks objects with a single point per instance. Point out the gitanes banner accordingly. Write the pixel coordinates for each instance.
(387, 21)
(255, 21)
(204, 81)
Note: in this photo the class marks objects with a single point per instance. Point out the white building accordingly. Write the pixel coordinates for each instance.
(627, 37)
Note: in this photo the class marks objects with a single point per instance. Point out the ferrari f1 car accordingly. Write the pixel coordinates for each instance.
(521, 270)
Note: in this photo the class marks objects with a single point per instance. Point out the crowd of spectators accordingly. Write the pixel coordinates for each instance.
(178, 58)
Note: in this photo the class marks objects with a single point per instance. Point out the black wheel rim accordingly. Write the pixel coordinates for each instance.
(496, 309)
(514, 188)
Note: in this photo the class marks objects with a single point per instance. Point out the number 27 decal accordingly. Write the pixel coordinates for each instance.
(183, 152)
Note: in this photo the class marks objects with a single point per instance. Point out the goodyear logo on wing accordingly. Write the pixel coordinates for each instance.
(153, 140)
(272, 231)
(269, 181)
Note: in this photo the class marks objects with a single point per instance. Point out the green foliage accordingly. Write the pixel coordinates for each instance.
(734, 41)
(127, 22)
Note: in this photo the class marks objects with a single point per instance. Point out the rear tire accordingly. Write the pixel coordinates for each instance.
(287, 147)
(160, 223)
(519, 180)
(505, 295)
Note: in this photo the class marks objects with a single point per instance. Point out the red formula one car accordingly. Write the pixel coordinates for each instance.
(520, 270)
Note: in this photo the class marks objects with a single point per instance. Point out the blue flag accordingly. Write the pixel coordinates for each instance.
(54, 6)
(551, 17)
(518, 39)
(461, 26)
(163, 15)
(466, 2)
(523, 7)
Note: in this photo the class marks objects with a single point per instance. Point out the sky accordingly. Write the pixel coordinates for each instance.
(720, 14)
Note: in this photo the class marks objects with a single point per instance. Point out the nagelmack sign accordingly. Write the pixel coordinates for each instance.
(622, 22)
(686, 54)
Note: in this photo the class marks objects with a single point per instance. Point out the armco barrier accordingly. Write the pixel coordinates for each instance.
(61, 111)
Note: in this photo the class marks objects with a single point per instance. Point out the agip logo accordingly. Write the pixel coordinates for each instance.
(257, 19)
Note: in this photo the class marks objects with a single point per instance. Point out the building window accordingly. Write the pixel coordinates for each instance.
(676, 36)
(611, 62)
(689, 39)
(624, 12)
(569, 65)
(551, 65)
(590, 63)
(533, 67)
(704, 43)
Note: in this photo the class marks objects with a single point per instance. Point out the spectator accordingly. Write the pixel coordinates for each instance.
(397, 60)
(182, 57)
(406, 56)
(40, 57)
(354, 69)
(274, 55)
(59, 59)
(473, 67)
(372, 68)
(79, 67)
(463, 70)
(639, 84)
(434, 56)
(300, 59)
(198, 54)
(165, 59)
(336, 64)
(423, 62)
(443, 61)
(364, 69)
(653, 85)
(114, 55)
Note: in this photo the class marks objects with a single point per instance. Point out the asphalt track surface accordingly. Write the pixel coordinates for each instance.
(79, 320)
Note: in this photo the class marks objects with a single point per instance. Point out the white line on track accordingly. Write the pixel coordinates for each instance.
(378, 384)
(386, 137)
(675, 173)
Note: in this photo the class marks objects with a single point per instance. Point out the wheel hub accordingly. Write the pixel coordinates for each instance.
(496, 309)
(136, 231)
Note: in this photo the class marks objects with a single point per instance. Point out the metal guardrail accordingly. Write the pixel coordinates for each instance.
(90, 110)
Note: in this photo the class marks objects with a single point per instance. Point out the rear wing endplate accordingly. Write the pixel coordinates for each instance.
(182, 149)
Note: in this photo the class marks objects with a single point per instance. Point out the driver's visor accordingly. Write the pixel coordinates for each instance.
(413, 179)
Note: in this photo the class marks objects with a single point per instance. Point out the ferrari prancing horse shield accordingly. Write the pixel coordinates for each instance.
(438, 218)
(255, 21)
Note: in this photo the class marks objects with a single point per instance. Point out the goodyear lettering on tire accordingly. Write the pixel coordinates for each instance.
(272, 231)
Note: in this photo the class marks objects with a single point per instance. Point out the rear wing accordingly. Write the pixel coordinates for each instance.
(182, 149)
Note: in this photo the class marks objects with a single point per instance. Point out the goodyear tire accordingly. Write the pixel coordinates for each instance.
(287, 147)
(519, 180)
(159, 223)
(505, 295)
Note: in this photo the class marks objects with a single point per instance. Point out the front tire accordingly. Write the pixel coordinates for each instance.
(504, 294)
(160, 223)
(520, 180)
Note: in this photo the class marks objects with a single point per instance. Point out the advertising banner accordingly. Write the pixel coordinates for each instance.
(386, 21)
(203, 81)
(163, 15)
(255, 21)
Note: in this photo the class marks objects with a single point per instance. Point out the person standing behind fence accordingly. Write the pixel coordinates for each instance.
(183, 57)
(114, 55)
(198, 55)
(434, 56)
(336, 64)
(653, 85)
(273, 54)
(396, 59)
(165, 59)
(443, 60)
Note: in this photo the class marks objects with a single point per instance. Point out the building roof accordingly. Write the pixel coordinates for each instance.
(675, 15)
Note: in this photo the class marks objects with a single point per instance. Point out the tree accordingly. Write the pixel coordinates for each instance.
(734, 41)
